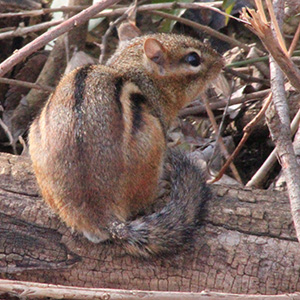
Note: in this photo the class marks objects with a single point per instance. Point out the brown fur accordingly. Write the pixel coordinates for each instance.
(99, 144)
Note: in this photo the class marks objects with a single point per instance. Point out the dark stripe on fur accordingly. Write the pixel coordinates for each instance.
(80, 85)
(137, 100)
(118, 90)
(79, 90)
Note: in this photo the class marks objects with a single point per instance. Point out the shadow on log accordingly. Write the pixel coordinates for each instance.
(246, 245)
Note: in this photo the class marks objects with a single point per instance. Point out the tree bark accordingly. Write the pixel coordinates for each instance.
(246, 245)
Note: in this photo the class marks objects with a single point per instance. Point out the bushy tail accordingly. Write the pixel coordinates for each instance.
(172, 227)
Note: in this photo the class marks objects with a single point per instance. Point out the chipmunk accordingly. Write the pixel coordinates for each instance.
(99, 145)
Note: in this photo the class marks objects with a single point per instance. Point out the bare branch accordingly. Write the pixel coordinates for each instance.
(271, 160)
(25, 30)
(33, 290)
(204, 28)
(247, 132)
(281, 133)
(27, 84)
(263, 31)
(199, 109)
(119, 11)
(48, 36)
(38, 12)
(220, 141)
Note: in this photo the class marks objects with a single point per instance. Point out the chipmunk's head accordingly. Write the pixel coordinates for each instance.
(184, 60)
(176, 64)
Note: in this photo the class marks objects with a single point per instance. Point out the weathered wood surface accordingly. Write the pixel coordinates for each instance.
(247, 244)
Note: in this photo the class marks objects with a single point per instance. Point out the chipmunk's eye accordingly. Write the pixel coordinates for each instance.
(193, 59)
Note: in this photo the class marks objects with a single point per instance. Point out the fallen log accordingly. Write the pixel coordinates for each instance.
(246, 245)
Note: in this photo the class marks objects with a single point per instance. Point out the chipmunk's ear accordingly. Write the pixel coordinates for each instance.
(154, 51)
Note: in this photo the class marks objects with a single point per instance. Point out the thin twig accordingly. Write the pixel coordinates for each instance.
(8, 29)
(220, 141)
(20, 31)
(108, 32)
(204, 28)
(66, 9)
(260, 10)
(247, 78)
(247, 132)
(264, 32)
(27, 84)
(9, 136)
(199, 109)
(254, 60)
(44, 11)
(294, 42)
(48, 36)
(263, 171)
(276, 26)
(142, 8)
